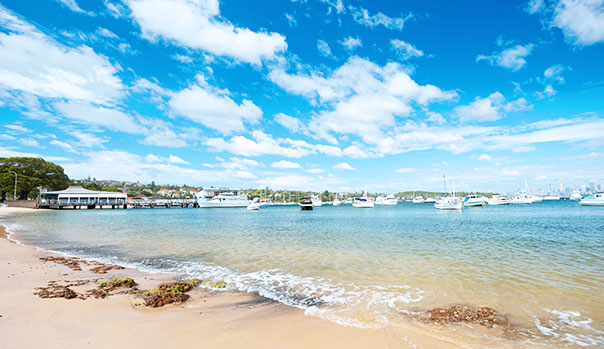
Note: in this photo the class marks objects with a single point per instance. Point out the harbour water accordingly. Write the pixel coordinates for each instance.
(541, 265)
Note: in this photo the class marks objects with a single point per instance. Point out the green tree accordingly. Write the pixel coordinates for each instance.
(31, 172)
(92, 186)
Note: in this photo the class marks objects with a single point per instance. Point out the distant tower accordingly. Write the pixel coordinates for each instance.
(592, 187)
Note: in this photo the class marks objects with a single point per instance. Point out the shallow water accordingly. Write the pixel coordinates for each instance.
(542, 265)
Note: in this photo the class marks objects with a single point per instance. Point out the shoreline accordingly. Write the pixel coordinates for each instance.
(209, 319)
(214, 318)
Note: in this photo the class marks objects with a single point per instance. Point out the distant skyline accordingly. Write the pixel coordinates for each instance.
(308, 94)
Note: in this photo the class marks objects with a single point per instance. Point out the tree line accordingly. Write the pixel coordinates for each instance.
(31, 174)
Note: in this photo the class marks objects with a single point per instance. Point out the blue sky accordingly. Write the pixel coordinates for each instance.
(307, 94)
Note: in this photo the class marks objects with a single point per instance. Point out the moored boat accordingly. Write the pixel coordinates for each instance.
(474, 201)
(388, 200)
(593, 200)
(316, 201)
(221, 197)
(499, 200)
(306, 205)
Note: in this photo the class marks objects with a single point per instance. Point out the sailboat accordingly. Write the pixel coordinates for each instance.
(336, 201)
(364, 201)
(449, 202)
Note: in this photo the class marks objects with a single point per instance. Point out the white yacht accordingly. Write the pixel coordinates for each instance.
(254, 206)
(536, 198)
(418, 199)
(499, 200)
(221, 197)
(316, 201)
(593, 200)
(364, 201)
(551, 197)
(430, 201)
(474, 200)
(576, 195)
(522, 198)
(336, 202)
(388, 200)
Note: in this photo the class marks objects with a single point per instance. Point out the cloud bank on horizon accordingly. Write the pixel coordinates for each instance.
(311, 94)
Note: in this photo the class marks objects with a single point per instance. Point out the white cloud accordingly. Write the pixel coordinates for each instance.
(73, 6)
(8, 152)
(359, 97)
(436, 118)
(523, 149)
(289, 122)
(30, 142)
(534, 6)
(35, 64)
(315, 170)
(405, 50)
(405, 170)
(336, 4)
(362, 16)
(164, 138)
(351, 43)
(555, 73)
(490, 108)
(285, 164)
(197, 24)
(581, 21)
(291, 20)
(15, 128)
(324, 49)
(260, 144)
(214, 108)
(511, 58)
(484, 157)
(88, 140)
(66, 146)
(115, 9)
(183, 58)
(91, 115)
(107, 33)
(173, 159)
(343, 166)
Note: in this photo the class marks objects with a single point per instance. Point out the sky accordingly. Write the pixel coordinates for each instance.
(308, 94)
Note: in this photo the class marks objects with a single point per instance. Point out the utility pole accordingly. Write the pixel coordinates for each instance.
(15, 193)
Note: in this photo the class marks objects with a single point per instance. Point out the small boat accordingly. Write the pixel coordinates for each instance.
(537, 198)
(474, 201)
(336, 202)
(593, 200)
(418, 200)
(364, 201)
(306, 205)
(576, 195)
(388, 200)
(522, 198)
(551, 197)
(265, 202)
(254, 206)
(316, 201)
(499, 200)
(430, 201)
(449, 203)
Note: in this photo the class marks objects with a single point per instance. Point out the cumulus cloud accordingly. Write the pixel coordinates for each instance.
(343, 166)
(351, 43)
(359, 97)
(284, 164)
(36, 64)
(362, 16)
(89, 114)
(324, 49)
(555, 73)
(484, 157)
(214, 108)
(197, 24)
(289, 122)
(511, 58)
(164, 138)
(405, 50)
(73, 6)
(490, 108)
(581, 21)
(66, 146)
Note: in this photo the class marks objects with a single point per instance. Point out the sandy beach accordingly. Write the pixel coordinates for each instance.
(208, 319)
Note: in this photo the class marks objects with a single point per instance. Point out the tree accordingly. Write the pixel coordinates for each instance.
(31, 172)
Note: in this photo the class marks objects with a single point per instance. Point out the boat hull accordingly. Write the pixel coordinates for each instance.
(591, 203)
(450, 207)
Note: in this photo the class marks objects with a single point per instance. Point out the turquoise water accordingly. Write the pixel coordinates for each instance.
(541, 264)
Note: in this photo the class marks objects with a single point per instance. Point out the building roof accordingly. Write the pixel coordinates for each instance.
(75, 191)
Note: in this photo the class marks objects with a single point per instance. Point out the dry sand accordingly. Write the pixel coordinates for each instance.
(208, 320)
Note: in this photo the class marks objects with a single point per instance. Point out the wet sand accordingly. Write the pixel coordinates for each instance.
(209, 319)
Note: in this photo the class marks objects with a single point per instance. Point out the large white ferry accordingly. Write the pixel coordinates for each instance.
(221, 197)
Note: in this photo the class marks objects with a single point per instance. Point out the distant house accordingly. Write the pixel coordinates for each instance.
(142, 196)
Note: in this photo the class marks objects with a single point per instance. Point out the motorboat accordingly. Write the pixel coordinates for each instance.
(254, 206)
(449, 203)
(576, 195)
(316, 201)
(593, 200)
(221, 197)
(418, 200)
(364, 201)
(499, 200)
(388, 200)
(474, 201)
(265, 202)
(430, 200)
(336, 202)
(306, 205)
(536, 198)
(551, 197)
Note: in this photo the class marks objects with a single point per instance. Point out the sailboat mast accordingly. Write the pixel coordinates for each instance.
(445, 183)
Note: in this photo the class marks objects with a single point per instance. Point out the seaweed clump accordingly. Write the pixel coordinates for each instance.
(482, 315)
(215, 284)
(104, 268)
(105, 288)
(169, 293)
(72, 263)
(56, 290)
